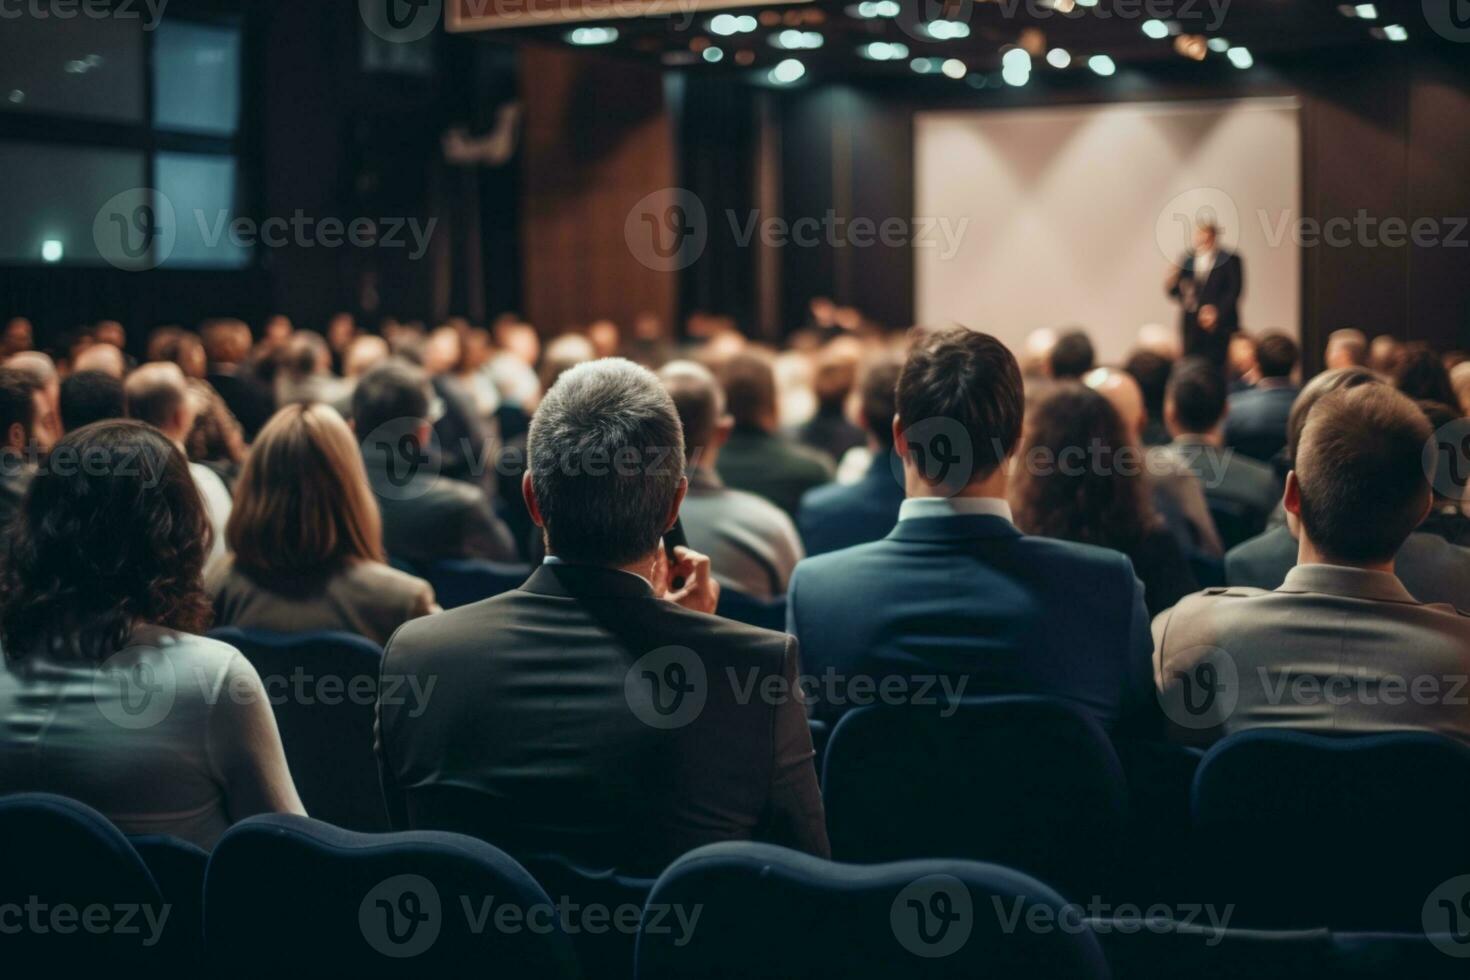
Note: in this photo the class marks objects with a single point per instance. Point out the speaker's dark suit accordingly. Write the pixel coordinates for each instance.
(970, 597)
(581, 715)
(1221, 289)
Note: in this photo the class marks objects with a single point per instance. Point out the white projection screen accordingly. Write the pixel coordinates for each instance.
(1074, 213)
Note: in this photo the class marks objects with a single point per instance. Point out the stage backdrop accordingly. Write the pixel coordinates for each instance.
(1074, 213)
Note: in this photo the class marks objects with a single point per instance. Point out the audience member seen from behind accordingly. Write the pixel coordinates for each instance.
(307, 539)
(956, 601)
(1151, 371)
(1319, 653)
(91, 396)
(1422, 376)
(829, 430)
(1346, 348)
(751, 543)
(1072, 356)
(101, 590)
(1255, 423)
(1447, 517)
(551, 727)
(27, 430)
(757, 458)
(1080, 478)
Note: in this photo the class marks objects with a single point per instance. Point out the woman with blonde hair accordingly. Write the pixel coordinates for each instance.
(306, 538)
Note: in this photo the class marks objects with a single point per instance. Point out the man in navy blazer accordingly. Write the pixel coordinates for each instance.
(840, 515)
(1256, 422)
(956, 601)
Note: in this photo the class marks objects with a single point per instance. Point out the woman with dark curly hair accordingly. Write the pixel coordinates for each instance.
(107, 695)
(1079, 478)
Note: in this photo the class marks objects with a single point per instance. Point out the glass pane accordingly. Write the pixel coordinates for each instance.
(200, 192)
(85, 65)
(197, 74)
(73, 227)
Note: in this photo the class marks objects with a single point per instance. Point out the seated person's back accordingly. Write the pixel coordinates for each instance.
(1341, 647)
(1257, 419)
(306, 547)
(955, 591)
(756, 458)
(589, 712)
(106, 694)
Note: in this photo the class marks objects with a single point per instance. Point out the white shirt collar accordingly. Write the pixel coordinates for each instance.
(916, 507)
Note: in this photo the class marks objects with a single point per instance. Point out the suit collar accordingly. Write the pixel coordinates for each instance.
(1351, 583)
(956, 527)
(586, 582)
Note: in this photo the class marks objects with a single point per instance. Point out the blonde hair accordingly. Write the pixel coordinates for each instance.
(303, 505)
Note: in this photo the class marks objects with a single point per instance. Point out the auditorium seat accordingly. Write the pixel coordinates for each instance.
(767, 912)
(605, 952)
(323, 687)
(1235, 522)
(60, 860)
(1159, 776)
(766, 613)
(178, 867)
(1352, 833)
(1031, 783)
(288, 893)
(461, 581)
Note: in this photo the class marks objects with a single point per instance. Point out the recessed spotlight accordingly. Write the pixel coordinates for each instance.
(793, 40)
(587, 36)
(947, 30)
(953, 68)
(1016, 74)
(926, 66)
(727, 24)
(884, 51)
(713, 54)
(870, 9)
(1102, 64)
(1240, 57)
(51, 250)
(1155, 29)
(1392, 32)
(1087, 3)
(1218, 44)
(1362, 11)
(787, 72)
(1058, 57)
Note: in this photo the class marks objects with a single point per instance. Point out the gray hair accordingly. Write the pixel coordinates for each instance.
(606, 456)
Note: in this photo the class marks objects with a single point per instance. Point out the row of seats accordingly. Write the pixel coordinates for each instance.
(286, 892)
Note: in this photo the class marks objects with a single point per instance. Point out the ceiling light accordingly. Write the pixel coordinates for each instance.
(728, 24)
(1102, 64)
(953, 68)
(787, 72)
(793, 40)
(1156, 29)
(713, 54)
(1058, 58)
(947, 30)
(1363, 11)
(1016, 58)
(884, 51)
(1392, 32)
(51, 250)
(870, 9)
(1016, 75)
(1218, 44)
(1240, 57)
(926, 66)
(1087, 3)
(585, 36)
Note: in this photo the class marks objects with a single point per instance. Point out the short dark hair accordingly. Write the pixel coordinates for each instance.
(879, 391)
(17, 402)
(972, 379)
(1276, 355)
(606, 455)
(1197, 389)
(1072, 356)
(393, 392)
(698, 400)
(1323, 384)
(91, 396)
(1360, 470)
(750, 387)
(1151, 371)
(1421, 374)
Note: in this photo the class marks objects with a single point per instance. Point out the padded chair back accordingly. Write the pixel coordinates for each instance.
(766, 613)
(1303, 830)
(1027, 782)
(65, 860)
(1234, 521)
(745, 910)
(178, 868)
(610, 903)
(459, 582)
(324, 688)
(288, 891)
(1163, 949)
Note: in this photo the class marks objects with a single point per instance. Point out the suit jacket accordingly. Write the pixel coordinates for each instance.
(552, 708)
(969, 598)
(1334, 650)
(1256, 424)
(773, 467)
(248, 400)
(838, 515)
(1432, 569)
(428, 518)
(1234, 485)
(751, 543)
(1221, 289)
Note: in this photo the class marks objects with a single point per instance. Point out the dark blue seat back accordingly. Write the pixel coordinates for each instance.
(1235, 522)
(288, 892)
(1027, 782)
(66, 860)
(178, 868)
(609, 903)
(323, 687)
(767, 912)
(1303, 830)
(766, 613)
(461, 581)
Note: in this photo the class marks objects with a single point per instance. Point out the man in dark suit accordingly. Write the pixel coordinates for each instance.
(1208, 284)
(840, 515)
(227, 349)
(600, 711)
(1256, 423)
(956, 599)
(427, 517)
(757, 458)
